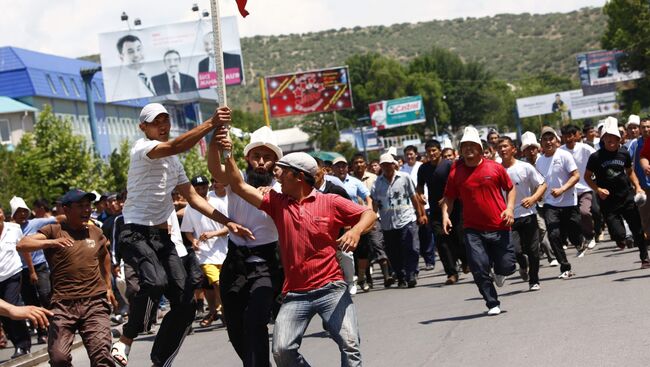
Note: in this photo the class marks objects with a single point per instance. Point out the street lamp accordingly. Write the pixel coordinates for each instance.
(87, 76)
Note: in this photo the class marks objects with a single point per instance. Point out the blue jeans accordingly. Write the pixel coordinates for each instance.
(487, 249)
(334, 305)
(427, 243)
(403, 250)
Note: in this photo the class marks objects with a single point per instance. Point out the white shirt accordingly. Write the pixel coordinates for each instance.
(10, 263)
(171, 78)
(557, 170)
(150, 184)
(581, 153)
(257, 221)
(214, 250)
(525, 179)
(175, 234)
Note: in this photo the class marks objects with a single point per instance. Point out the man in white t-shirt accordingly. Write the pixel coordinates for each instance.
(209, 241)
(529, 186)
(154, 172)
(581, 152)
(251, 276)
(10, 272)
(560, 200)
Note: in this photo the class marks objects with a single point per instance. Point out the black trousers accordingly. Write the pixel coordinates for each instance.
(562, 222)
(525, 237)
(152, 254)
(248, 292)
(16, 329)
(629, 212)
(451, 247)
(37, 294)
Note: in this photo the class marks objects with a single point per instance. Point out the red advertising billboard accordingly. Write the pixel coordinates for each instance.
(308, 92)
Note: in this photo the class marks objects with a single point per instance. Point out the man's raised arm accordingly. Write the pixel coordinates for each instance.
(235, 179)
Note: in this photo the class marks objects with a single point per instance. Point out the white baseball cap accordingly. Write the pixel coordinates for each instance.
(471, 135)
(339, 160)
(528, 139)
(300, 161)
(150, 111)
(633, 120)
(550, 130)
(263, 137)
(17, 203)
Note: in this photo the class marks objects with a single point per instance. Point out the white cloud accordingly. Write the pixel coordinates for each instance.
(70, 27)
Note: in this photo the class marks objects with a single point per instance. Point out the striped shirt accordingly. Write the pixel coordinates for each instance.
(150, 184)
(308, 232)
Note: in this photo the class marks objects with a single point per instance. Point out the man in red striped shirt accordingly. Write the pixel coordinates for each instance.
(308, 224)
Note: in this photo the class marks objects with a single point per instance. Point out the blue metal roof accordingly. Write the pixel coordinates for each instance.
(25, 73)
(8, 105)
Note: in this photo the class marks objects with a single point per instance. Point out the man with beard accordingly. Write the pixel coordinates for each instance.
(250, 276)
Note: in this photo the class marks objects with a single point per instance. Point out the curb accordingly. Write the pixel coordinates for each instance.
(36, 358)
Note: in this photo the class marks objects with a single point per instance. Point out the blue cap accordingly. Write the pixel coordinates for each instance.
(76, 195)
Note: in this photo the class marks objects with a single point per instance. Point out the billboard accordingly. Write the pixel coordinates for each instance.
(308, 92)
(571, 104)
(397, 112)
(603, 67)
(369, 140)
(167, 59)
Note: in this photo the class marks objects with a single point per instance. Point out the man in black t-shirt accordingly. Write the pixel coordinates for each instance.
(614, 178)
(434, 175)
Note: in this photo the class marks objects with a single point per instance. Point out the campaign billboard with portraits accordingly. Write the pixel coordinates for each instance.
(168, 59)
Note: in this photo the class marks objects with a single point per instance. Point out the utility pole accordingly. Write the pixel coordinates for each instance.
(87, 76)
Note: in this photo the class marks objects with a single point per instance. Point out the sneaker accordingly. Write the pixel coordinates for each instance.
(591, 244)
(388, 282)
(524, 274)
(412, 283)
(645, 264)
(452, 279)
(554, 263)
(20, 352)
(581, 254)
(621, 245)
(600, 237)
(564, 247)
(429, 267)
(365, 286)
(534, 287)
(499, 280)
(401, 284)
(353, 288)
(494, 311)
(566, 275)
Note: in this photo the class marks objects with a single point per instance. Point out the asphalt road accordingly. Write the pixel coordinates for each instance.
(597, 318)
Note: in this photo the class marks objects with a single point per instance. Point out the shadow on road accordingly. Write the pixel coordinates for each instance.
(458, 318)
(631, 278)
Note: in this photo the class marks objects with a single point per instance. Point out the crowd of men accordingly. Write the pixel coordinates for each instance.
(291, 236)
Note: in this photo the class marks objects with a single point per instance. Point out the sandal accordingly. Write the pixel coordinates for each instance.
(120, 353)
(209, 319)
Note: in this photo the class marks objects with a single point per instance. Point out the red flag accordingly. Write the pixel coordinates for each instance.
(241, 5)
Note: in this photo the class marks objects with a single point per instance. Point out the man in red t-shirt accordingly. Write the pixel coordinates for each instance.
(308, 224)
(479, 183)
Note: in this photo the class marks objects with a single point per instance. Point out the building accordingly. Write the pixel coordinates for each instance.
(30, 80)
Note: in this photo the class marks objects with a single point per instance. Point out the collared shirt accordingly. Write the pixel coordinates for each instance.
(368, 179)
(635, 152)
(212, 250)
(355, 188)
(171, 78)
(150, 184)
(30, 227)
(394, 200)
(308, 231)
(10, 263)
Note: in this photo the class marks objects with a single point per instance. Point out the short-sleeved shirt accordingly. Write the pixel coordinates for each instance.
(308, 232)
(480, 189)
(258, 222)
(581, 153)
(609, 170)
(556, 170)
(10, 263)
(434, 178)
(368, 179)
(635, 152)
(355, 188)
(526, 180)
(75, 271)
(30, 227)
(150, 184)
(213, 250)
(393, 200)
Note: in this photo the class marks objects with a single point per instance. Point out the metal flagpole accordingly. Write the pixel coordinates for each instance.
(218, 60)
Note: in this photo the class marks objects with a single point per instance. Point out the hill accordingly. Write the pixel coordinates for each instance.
(510, 46)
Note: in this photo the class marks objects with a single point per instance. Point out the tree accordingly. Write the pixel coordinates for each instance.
(117, 169)
(51, 160)
(8, 178)
(194, 164)
(628, 29)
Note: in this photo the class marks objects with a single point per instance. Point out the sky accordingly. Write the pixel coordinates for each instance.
(70, 27)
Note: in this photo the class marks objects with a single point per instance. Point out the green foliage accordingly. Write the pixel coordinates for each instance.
(117, 169)
(51, 161)
(8, 178)
(194, 164)
(628, 29)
